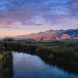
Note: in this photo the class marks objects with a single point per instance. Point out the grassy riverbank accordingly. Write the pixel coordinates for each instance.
(6, 65)
(61, 53)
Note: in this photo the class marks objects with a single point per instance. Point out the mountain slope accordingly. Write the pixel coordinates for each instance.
(52, 35)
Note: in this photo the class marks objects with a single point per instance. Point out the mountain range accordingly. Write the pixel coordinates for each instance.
(52, 35)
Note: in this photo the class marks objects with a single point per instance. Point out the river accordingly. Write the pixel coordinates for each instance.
(32, 66)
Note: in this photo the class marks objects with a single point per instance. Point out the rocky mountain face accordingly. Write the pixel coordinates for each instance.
(52, 35)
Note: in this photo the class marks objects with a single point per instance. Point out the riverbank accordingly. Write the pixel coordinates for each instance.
(61, 53)
(6, 65)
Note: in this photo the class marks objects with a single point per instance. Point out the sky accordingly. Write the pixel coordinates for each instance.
(18, 17)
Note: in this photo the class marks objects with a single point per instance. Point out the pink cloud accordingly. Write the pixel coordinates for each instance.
(74, 22)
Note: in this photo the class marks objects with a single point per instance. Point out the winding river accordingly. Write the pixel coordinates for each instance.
(32, 66)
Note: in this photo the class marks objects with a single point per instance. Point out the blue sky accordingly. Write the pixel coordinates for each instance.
(19, 17)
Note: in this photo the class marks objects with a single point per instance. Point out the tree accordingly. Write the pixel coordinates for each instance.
(8, 39)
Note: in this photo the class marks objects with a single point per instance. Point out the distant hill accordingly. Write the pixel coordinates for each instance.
(52, 35)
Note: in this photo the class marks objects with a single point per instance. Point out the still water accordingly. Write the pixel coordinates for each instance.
(31, 66)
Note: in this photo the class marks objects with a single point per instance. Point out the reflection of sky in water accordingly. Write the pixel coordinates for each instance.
(29, 66)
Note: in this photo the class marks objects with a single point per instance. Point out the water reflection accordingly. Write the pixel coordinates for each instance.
(29, 66)
(22, 65)
(6, 68)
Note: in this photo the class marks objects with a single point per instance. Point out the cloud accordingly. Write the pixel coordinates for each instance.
(74, 22)
(37, 12)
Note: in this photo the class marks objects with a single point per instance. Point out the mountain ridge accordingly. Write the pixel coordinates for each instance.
(52, 35)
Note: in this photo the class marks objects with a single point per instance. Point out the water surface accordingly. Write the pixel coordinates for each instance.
(31, 66)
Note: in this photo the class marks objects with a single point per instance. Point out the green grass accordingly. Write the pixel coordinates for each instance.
(6, 68)
(62, 53)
